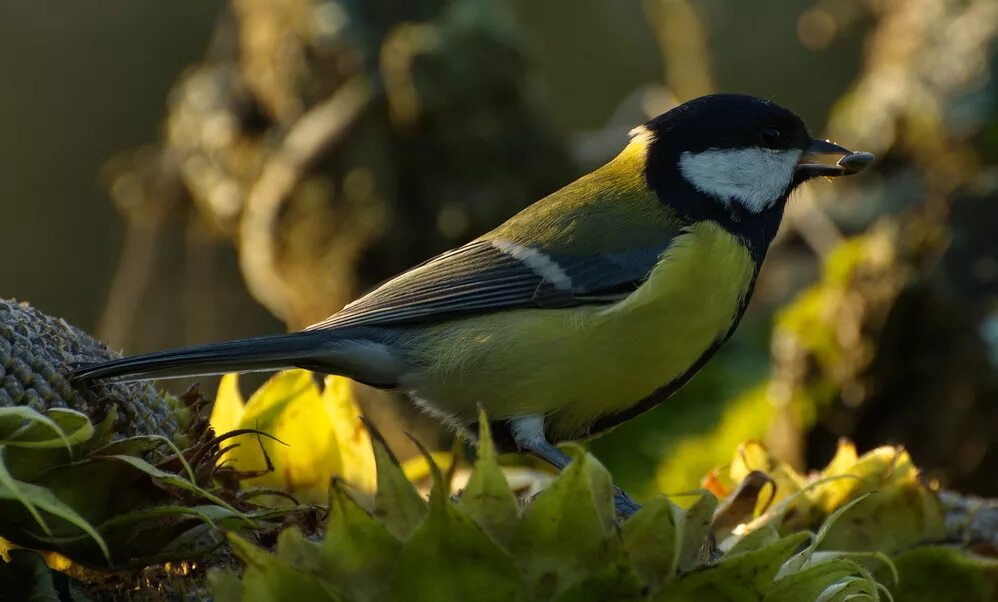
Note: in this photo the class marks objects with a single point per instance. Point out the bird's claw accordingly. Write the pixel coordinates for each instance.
(623, 503)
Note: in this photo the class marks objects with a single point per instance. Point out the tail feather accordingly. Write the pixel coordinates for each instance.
(261, 353)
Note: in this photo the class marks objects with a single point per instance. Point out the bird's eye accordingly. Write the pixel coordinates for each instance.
(771, 137)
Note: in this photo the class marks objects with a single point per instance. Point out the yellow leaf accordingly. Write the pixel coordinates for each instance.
(753, 455)
(354, 442)
(227, 412)
(321, 435)
(417, 468)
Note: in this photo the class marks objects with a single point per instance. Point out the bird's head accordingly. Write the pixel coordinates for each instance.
(736, 156)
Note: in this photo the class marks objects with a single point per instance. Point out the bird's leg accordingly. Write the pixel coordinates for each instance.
(528, 433)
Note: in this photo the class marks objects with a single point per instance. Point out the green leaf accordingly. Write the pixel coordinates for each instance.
(615, 583)
(14, 420)
(747, 576)
(167, 478)
(269, 579)
(903, 512)
(862, 559)
(27, 577)
(801, 559)
(225, 586)
(652, 537)
(396, 503)
(36, 499)
(10, 487)
(359, 551)
(487, 498)
(294, 549)
(449, 558)
(834, 517)
(212, 515)
(944, 574)
(696, 534)
(753, 540)
(850, 589)
(103, 433)
(72, 428)
(139, 445)
(564, 535)
(809, 583)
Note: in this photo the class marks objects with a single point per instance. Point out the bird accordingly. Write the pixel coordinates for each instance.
(583, 310)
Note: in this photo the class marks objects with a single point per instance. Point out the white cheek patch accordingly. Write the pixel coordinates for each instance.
(753, 177)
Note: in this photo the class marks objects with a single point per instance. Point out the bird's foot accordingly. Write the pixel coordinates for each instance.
(624, 504)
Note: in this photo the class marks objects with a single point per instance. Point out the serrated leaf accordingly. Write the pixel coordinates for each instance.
(653, 539)
(696, 532)
(845, 458)
(901, 513)
(615, 583)
(744, 577)
(358, 552)
(835, 517)
(269, 579)
(396, 502)
(487, 497)
(802, 558)
(564, 535)
(224, 585)
(449, 558)
(294, 549)
(944, 574)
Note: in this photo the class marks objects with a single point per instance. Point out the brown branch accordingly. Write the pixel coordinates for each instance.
(321, 127)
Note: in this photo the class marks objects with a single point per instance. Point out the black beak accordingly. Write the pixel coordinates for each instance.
(814, 161)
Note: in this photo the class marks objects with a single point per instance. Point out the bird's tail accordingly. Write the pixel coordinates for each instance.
(246, 355)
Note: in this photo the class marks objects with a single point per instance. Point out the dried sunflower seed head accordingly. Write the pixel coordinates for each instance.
(36, 354)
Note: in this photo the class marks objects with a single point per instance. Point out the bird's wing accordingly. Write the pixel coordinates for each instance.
(491, 275)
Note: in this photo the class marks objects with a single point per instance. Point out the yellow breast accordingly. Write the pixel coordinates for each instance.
(577, 365)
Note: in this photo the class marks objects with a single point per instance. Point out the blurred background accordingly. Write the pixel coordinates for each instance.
(195, 170)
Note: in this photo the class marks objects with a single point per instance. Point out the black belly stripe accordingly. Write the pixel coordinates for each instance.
(659, 395)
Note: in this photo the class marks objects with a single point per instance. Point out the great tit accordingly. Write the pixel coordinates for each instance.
(585, 309)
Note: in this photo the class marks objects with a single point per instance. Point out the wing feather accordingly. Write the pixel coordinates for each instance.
(485, 276)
